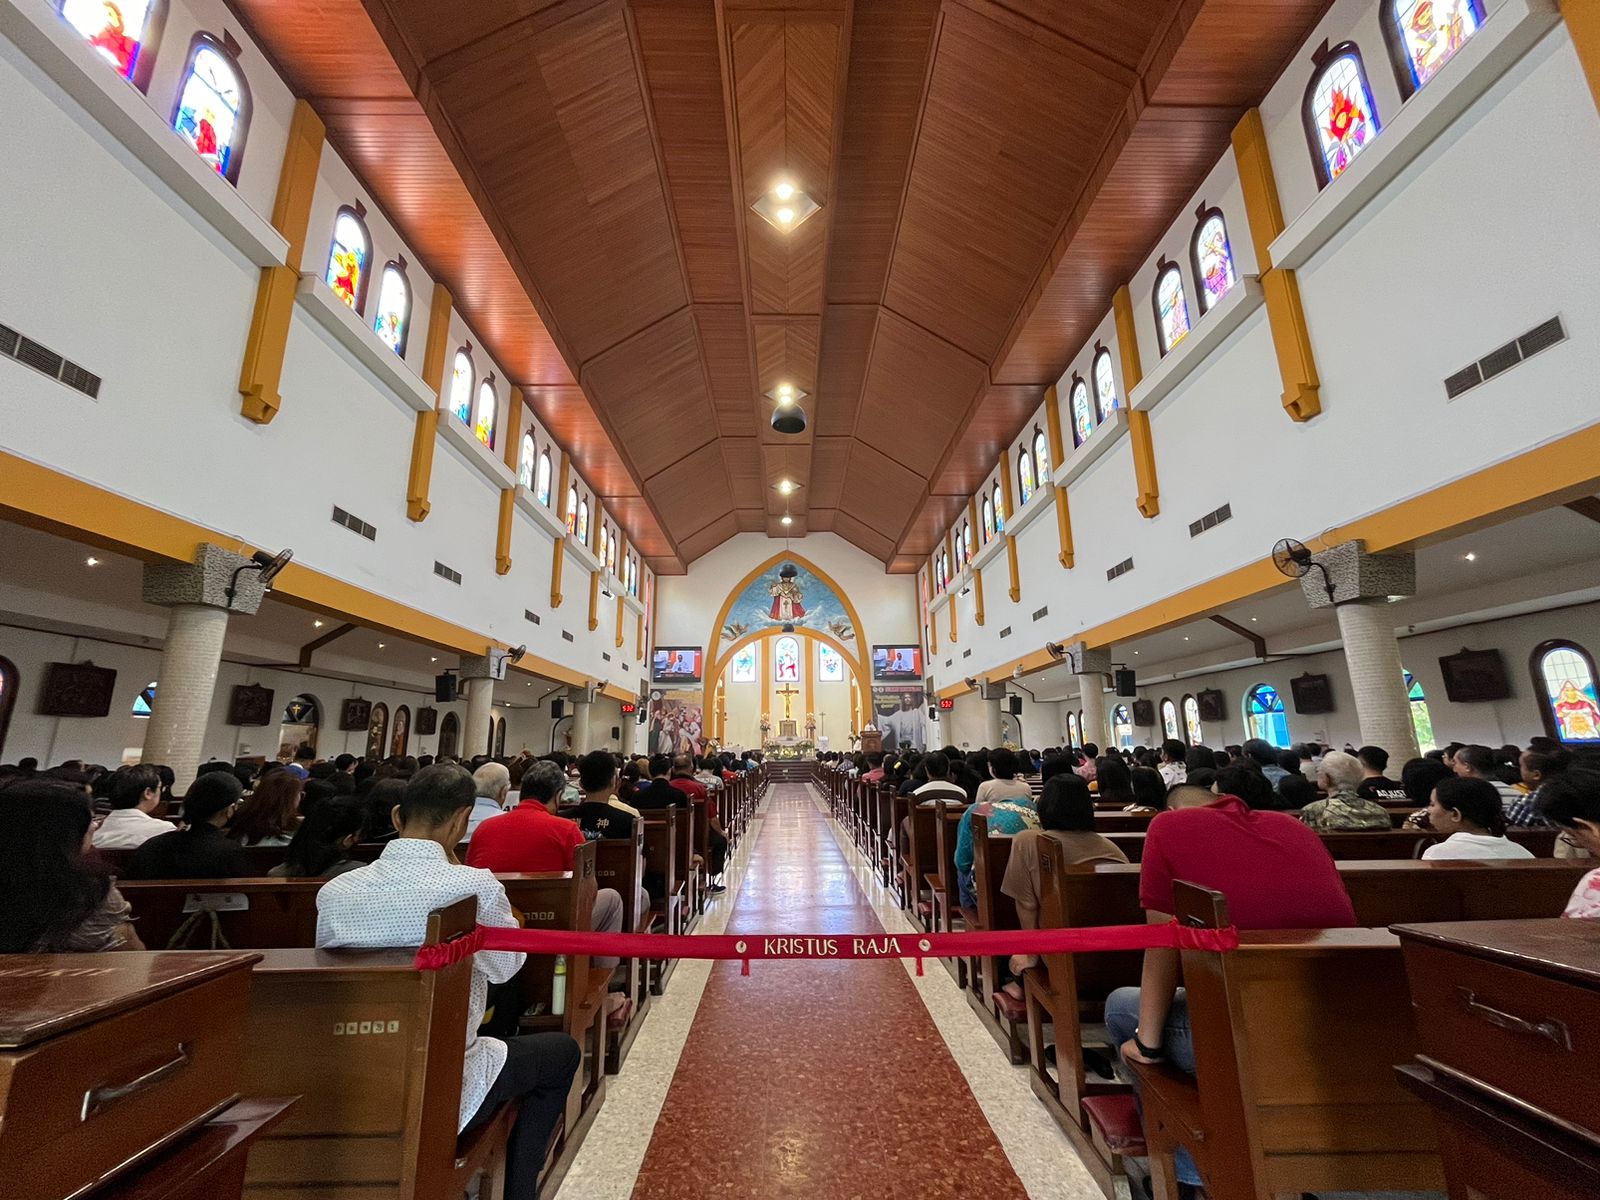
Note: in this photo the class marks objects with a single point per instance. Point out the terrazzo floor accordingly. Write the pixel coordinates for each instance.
(822, 1079)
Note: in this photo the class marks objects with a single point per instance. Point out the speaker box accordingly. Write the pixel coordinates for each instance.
(933, 712)
(1126, 686)
(558, 708)
(444, 688)
(616, 733)
(1014, 705)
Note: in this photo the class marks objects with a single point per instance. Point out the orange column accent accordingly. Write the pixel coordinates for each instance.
(977, 575)
(594, 601)
(426, 432)
(262, 369)
(1148, 499)
(1583, 24)
(977, 595)
(638, 638)
(1011, 542)
(558, 555)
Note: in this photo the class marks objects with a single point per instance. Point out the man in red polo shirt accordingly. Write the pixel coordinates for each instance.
(531, 838)
(683, 779)
(1276, 874)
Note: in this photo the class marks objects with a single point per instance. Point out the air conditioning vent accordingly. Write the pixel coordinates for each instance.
(1211, 520)
(566, 637)
(626, 667)
(966, 653)
(40, 358)
(949, 662)
(80, 380)
(1502, 359)
(1006, 632)
(604, 656)
(1041, 612)
(354, 524)
(9, 338)
(529, 615)
(1122, 568)
(444, 572)
(47, 362)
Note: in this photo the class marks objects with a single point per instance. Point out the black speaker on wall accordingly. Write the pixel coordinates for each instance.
(558, 708)
(1014, 705)
(444, 688)
(616, 733)
(1126, 685)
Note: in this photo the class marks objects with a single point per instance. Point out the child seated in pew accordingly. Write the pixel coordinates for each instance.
(1469, 813)
(1276, 874)
(386, 904)
(54, 897)
(1571, 802)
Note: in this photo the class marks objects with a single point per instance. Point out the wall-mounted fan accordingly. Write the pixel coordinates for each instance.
(1293, 559)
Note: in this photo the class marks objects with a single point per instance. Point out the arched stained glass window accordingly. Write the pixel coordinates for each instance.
(1340, 117)
(999, 511)
(392, 322)
(212, 112)
(966, 541)
(572, 510)
(1105, 384)
(1083, 421)
(1041, 454)
(1169, 720)
(583, 521)
(605, 542)
(1423, 34)
(743, 668)
(611, 553)
(1191, 720)
(1172, 307)
(1564, 673)
(1025, 475)
(988, 520)
(786, 659)
(1122, 726)
(1264, 716)
(541, 478)
(1074, 735)
(461, 380)
(525, 461)
(830, 664)
(1421, 719)
(124, 33)
(348, 258)
(145, 702)
(488, 411)
(1212, 257)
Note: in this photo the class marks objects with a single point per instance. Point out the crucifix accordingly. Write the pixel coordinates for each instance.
(788, 693)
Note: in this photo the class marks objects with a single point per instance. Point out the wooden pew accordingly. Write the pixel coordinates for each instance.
(617, 866)
(1296, 1035)
(664, 831)
(919, 863)
(1003, 1015)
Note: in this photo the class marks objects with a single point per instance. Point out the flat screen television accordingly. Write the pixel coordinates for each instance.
(897, 662)
(677, 664)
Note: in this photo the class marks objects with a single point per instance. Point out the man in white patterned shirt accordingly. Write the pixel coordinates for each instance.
(386, 904)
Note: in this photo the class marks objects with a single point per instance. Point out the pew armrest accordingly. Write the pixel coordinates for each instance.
(1172, 1115)
(481, 1148)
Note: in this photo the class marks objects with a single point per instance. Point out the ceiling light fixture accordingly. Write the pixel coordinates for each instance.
(316, 624)
(787, 519)
(433, 658)
(787, 416)
(786, 486)
(785, 207)
(380, 645)
(1470, 556)
(91, 561)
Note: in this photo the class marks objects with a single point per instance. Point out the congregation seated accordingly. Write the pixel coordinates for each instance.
(1375, 785)
(1344, 808)
(1468, 812)
(199, 849)
(1294, 791)
(1115, 780)
(1149, 791)
(1480, 762)
(54, 897)
(323, 845)
(1571, 802)
(270, 813)
(1265, 756)
(1536, 766)
(1006, 803)
(682, 778)
(135, 793)
(386, 903)
(656, 794)
(1174, 766)
(602, 816)
(492, 783)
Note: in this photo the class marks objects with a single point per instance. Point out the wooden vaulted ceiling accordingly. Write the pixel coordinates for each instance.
(581, 174)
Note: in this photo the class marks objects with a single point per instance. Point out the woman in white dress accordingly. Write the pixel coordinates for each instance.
(1470, 815)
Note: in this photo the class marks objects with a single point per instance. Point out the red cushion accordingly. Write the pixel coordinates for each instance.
(1115, 1117)
(1011, 1007)
(924, 906)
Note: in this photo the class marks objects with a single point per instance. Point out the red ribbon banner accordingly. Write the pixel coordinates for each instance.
(745, 947)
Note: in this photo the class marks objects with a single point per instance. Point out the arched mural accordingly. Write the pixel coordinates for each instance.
(787, 591)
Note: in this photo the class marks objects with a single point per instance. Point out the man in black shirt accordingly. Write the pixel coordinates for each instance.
(659, 793)
(599, 814)
(200, 850)
(1375, 785)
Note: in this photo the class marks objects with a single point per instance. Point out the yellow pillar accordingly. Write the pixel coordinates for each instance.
(1011, 542)
(594, 601)
(638, 638)
(1058, 453)
(622, 559)
(977, 595)
(1583, 23)
(933, 624)
(1148, 498)
(1280, 289)
(262, 370)
(508, 496)
(558, 556)
(426, 432)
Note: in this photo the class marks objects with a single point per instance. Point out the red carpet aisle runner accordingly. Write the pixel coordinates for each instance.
(817, 1079)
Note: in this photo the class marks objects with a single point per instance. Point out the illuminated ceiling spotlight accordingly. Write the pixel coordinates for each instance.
(787, 416)
(785, 207)
(787, 487)
(787, 519)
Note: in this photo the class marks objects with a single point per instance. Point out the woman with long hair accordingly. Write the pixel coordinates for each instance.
(54, 899)
(321, 848)
(1116, 782)
(269, 815)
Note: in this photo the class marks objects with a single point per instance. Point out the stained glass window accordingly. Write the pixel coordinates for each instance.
(1264, 716)
(145, 701)
(393, 320)
(743, 669)
(611, 553)
(1423, 34)
(583, 521)
(786, 659)
(1421, 719)
(1213, 258)
(1122, 726)
(999, 511)
(572, 510)
(1341, 118)
(488, 410)
(461, 378)
(1025, 475)
(988, 519)
(1041, 454)
(525, 461)
(348, 258)
(1105, 384)
(830, 664)
(1074, 737)
(1191, 720)
(117, 29)
(541, 478)
(966, 541)
(1565, 674)
(1082, 413)
(1169, 719)
(605, 539)
(213, 110)
(1172, 307)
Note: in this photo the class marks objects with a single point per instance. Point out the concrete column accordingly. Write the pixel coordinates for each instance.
(1358, 586)
(480, 711)
(630, 734)
(185, 687)
(581, 738)
(1372, 655)
(1090, 666)
(200, 595)
(992, 724)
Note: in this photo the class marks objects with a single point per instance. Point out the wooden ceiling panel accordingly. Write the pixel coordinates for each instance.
(708, 539)
(746, 479)
(725, 335)
(1225, 53)
(828, 458)
(917, 388)
(654, 393)
(864, 534)
(750, 520)
(841, 371)
(905, 564)
(693, 491)
(878, 490)
(1111, 36)
(786, 352)
(928, 529)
